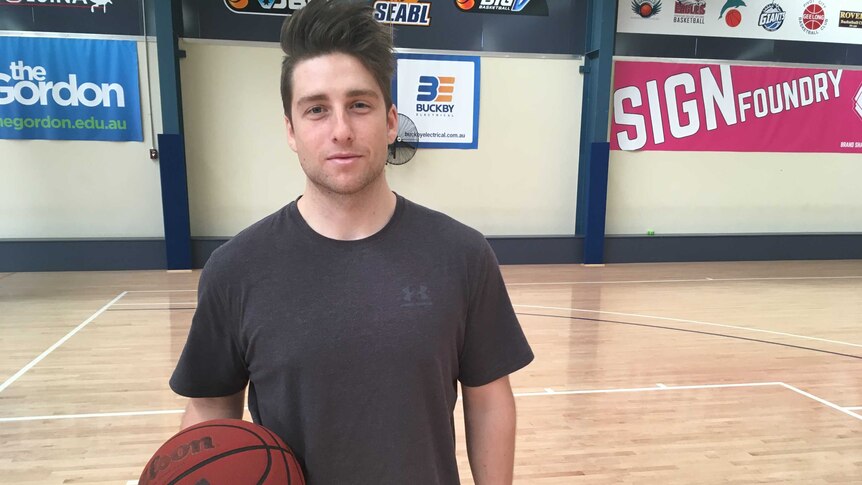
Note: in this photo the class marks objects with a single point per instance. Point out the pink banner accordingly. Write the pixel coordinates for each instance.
(724, 108)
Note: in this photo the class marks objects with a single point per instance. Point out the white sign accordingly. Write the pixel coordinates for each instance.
(440, 94)
(835, 21)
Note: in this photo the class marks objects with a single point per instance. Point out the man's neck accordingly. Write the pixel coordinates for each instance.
(348, 217)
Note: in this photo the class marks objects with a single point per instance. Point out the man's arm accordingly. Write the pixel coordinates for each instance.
(202, 409)
(489, 416)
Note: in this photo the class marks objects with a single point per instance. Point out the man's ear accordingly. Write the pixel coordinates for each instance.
(392, 124)
(291, 135)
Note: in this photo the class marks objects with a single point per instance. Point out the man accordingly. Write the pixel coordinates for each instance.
(352, 312)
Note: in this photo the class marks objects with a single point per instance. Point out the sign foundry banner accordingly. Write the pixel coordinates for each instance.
(69, 89)
(721, 107)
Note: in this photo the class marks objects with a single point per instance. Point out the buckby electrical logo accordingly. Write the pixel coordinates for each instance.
(434, 97)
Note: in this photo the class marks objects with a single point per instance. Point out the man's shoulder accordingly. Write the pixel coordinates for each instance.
(437, 226)
(239, 250)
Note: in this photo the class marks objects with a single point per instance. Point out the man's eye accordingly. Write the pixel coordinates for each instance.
(315, 110)
(361, 105)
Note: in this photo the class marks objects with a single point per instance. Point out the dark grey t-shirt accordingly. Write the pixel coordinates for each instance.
(352, 349)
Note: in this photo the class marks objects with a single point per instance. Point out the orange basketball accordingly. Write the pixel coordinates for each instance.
(223, 451)
(733, 17)
(465, 4)
(238, 4)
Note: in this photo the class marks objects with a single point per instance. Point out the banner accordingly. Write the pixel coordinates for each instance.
(720, 107)
(441, 95)
(835, 21)
(69, 89)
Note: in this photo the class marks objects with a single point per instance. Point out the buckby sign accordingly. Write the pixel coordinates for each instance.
(722, 107)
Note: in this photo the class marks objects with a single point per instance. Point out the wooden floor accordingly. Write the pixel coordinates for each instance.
(652, 373)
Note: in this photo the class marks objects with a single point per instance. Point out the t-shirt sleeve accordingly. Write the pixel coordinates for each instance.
(494, 343)
(212, 363)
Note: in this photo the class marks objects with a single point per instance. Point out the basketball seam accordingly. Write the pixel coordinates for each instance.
(223, 455)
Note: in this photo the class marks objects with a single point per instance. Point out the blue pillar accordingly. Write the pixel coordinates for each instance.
(594, 149)
(171, 143)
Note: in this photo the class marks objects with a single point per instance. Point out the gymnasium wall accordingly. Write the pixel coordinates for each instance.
(727, 193)
(84, 189)
(521, 181)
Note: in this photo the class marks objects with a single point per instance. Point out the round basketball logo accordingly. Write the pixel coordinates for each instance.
(733, 17)
(465, 4)
(813, 19)
(771, 17)
(646, 8)
(238, 4)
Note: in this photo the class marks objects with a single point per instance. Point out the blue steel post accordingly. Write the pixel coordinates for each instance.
(172, 160)
(594, 148)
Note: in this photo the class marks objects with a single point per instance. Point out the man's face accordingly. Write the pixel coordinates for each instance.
(339, 126)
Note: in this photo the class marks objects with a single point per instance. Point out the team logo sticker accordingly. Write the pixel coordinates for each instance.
(265, 7)
(646, 8)
(689, 12)
(813, 19)
(511, 7)
(730, 12)
(850, 19)
(404, 12)
(771, 17)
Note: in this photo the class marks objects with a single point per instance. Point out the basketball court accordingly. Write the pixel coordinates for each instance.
(644, 373)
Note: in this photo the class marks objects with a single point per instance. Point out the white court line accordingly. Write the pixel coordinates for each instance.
(548, 392)
(643, 389)
(682, 320)
(60, 342)
(695, 280)
(155, 291)
(158, 303)
(823, 401)
(90, 415)
(854, 408)
(661, 385)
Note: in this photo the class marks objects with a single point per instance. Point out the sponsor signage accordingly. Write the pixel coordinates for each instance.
(265, 7)
(69, 89)
(441, 95)
(110, 17)
(689, 12)
(403, 13)
(509, 7)
(848, 18)
(723, 107)
(790, 20)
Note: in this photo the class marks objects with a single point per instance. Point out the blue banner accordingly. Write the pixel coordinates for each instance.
(69, 89)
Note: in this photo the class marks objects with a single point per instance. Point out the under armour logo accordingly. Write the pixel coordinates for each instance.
(418, 297)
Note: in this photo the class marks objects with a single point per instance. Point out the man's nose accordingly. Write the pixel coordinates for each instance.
(342, 130)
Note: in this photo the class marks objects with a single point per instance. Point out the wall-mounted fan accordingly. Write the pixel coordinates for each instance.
(404, 147)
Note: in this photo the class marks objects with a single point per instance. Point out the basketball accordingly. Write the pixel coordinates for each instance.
(239, 4)
(733, 17)
(223, 451)
(465, 4)
(645, 10)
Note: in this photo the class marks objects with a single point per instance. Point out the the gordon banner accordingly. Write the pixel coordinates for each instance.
(440, 94)
(722, 107)
(69, 89)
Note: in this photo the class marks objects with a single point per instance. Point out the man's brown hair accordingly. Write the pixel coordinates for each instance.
(336, 26)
